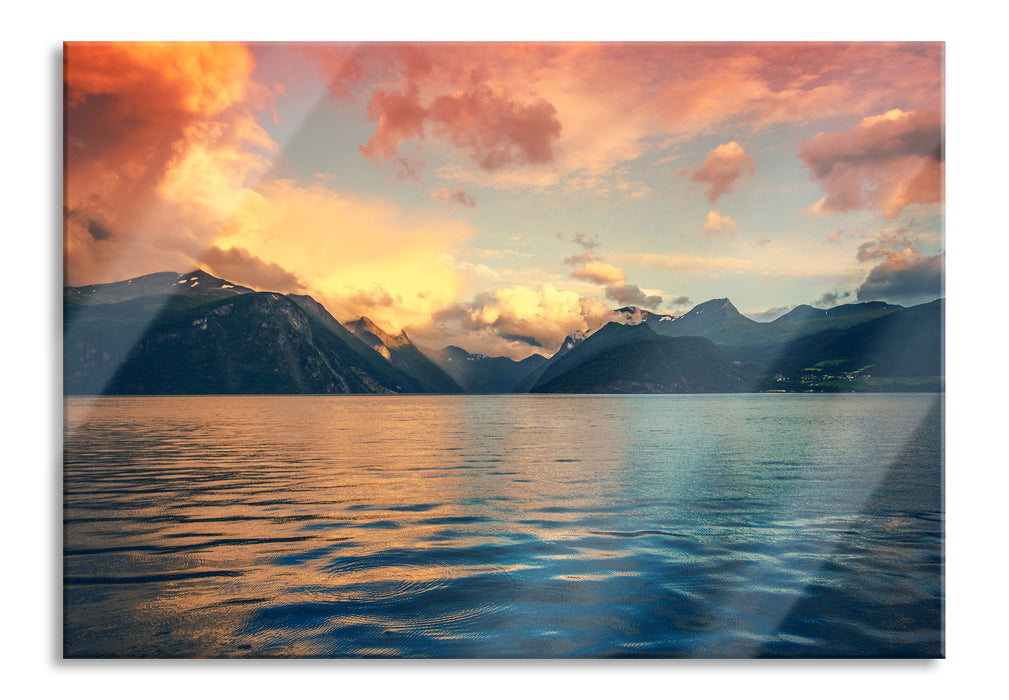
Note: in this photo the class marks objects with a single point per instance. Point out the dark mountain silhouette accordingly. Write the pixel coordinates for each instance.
(197, 284)
(377, 363)
(805, 319)
(478, 374)
(717, 320)
(197, 334)
(802, 312)
(652, 365)
(611, 335)
(402, 353)
(905, 343)
(807, 349)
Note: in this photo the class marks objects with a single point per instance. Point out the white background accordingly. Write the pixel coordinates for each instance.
(31, 321)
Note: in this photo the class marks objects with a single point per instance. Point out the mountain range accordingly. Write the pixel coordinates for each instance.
(194, 333)
(479, 374)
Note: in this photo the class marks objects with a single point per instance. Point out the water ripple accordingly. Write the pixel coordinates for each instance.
(471, 527)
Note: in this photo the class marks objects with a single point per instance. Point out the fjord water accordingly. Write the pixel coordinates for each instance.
(504, 526)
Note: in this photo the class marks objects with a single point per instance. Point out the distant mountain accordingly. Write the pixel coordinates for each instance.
(478, 374)
(194, 284)
(197, 334)
(862, 308)
(377, 363)
(864, 347)
(859, 312)
(802, 312)
(762, 344)
(901, 344)
(717, 320)
(254, 343)
(570, 342)
(651, 365)
(402, 353)
(611, 335)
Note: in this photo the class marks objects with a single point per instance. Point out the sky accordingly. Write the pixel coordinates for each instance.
(499, 196)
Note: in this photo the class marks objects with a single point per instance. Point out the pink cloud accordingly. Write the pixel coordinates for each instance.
(510, 105)
(147, 123)
(887, 246)
(341, 67)
(444, 91)
(904, 275)
(886, 162)
(399, 116)
(723, 167)
(753, 86)
(450, 197)
(495, 129)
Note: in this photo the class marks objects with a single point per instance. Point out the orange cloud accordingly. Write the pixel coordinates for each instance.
(722, 169)
(145, 124)
(165, 170)
(611, 277)
(717, 225)
(600, 273)
(515, 320)
(887, 162)
(887, 246)
(352, 252)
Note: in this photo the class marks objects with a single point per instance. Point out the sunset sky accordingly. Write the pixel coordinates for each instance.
(498, 196)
